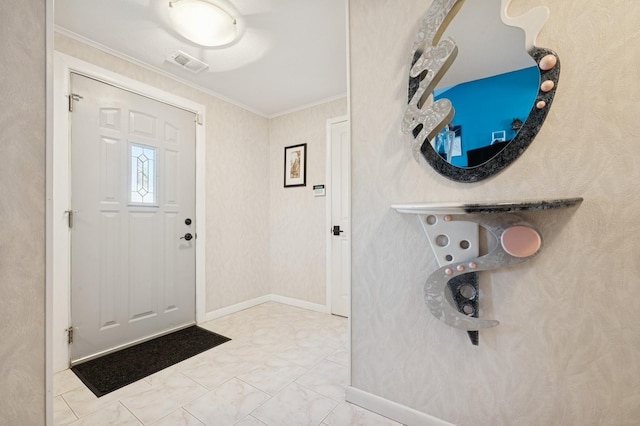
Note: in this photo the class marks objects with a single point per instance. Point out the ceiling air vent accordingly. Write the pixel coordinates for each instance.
(187, 62)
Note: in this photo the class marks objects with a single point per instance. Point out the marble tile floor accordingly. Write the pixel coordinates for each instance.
(284, 366)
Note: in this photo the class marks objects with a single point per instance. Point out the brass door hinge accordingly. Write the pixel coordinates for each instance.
(69, 218)
(73, 97)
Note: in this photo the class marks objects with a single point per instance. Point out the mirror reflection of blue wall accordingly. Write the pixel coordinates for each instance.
(489, 105)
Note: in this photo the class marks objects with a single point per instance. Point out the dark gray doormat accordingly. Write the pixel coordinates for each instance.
(118, 369)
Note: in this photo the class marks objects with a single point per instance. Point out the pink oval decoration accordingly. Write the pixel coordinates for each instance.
(521, 241)
(547, 85)
(548, 62)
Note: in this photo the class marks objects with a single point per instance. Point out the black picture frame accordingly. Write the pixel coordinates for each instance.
(295, 165)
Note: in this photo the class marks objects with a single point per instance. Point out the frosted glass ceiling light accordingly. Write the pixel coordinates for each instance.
(202, 22)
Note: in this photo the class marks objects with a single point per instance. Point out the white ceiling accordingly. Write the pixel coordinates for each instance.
(292, 53)
(486, 46)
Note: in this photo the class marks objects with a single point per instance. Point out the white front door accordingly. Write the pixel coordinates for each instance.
(340, 193)
(133, 224)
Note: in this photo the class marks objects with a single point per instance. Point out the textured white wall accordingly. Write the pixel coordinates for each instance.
(566, 349)
(297, 218)
(236, 187)
(22, 213)
(237, 193)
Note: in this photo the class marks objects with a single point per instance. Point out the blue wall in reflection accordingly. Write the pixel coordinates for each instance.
(489, 105)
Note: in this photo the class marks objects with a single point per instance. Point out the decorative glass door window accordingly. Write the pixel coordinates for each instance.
(143, 175)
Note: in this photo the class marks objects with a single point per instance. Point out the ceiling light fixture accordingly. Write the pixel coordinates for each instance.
(202, 22)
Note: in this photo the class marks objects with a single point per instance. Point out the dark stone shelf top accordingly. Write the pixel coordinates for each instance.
(486, 207)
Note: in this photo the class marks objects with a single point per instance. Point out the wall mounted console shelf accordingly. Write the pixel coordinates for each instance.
(453, 233)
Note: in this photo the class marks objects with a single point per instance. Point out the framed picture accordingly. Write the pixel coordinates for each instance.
(295, 165)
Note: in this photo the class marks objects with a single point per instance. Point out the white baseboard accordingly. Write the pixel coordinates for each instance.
(237, 307)
(392, 410)
(263, 299)
(299, 303)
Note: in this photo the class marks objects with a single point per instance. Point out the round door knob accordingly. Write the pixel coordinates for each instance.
(187, 237)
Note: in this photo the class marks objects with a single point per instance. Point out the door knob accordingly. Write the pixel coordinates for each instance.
(336, 230)
(187, 221)
(187, 237)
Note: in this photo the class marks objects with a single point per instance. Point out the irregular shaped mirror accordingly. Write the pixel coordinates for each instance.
(479, 88)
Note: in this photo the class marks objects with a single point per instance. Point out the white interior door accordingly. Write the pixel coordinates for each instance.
(133, 224)
(340, 193)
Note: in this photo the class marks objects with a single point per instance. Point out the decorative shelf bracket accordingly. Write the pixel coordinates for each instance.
(452, 290)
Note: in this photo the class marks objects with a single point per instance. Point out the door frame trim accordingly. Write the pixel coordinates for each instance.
(329, 224)
(59, 174)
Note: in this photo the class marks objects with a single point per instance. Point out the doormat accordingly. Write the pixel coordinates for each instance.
(118, 369)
